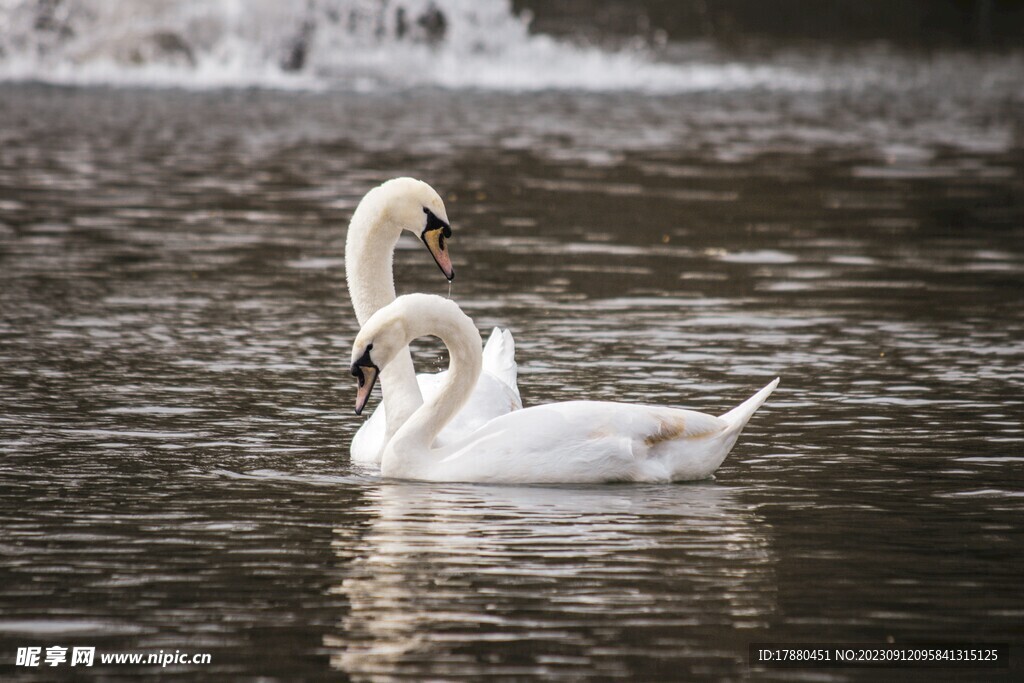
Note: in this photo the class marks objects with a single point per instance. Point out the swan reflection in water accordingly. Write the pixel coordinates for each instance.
(463, 579)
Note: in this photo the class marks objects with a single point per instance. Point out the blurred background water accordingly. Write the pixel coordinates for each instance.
(660, 214)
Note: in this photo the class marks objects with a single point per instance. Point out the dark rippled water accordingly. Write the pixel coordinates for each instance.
(175, 407)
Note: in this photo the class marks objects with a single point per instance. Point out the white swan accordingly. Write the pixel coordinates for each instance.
(572, 442)
(408, 204)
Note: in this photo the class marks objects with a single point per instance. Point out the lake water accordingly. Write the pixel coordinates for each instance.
(175, 407)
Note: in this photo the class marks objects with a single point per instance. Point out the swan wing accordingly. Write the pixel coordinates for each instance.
(587, 442)
(500, 358)
(491, 398)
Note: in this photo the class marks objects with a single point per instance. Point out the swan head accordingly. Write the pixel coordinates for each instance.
(376, 345)
(366, 371)
(415, 206)
(390, 329)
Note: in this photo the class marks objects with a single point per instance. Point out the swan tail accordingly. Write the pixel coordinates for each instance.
(500, 357)
(740, 415)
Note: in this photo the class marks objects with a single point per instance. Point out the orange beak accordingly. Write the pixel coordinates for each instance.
(435, 241)
(366, 377)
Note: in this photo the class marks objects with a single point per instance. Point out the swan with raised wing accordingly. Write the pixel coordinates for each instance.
(380, 218)
(571, 442)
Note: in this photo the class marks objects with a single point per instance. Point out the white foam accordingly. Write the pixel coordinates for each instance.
(358, 44)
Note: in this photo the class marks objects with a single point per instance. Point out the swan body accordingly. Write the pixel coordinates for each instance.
(571, 442)
(377, 223)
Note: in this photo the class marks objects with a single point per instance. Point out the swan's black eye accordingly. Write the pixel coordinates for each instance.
(363, 361)
(435, 223)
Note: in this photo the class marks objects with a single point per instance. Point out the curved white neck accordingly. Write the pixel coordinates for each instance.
(411, 448)
(369, 252)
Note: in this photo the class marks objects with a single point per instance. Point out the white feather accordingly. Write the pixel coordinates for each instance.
(500, 358)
